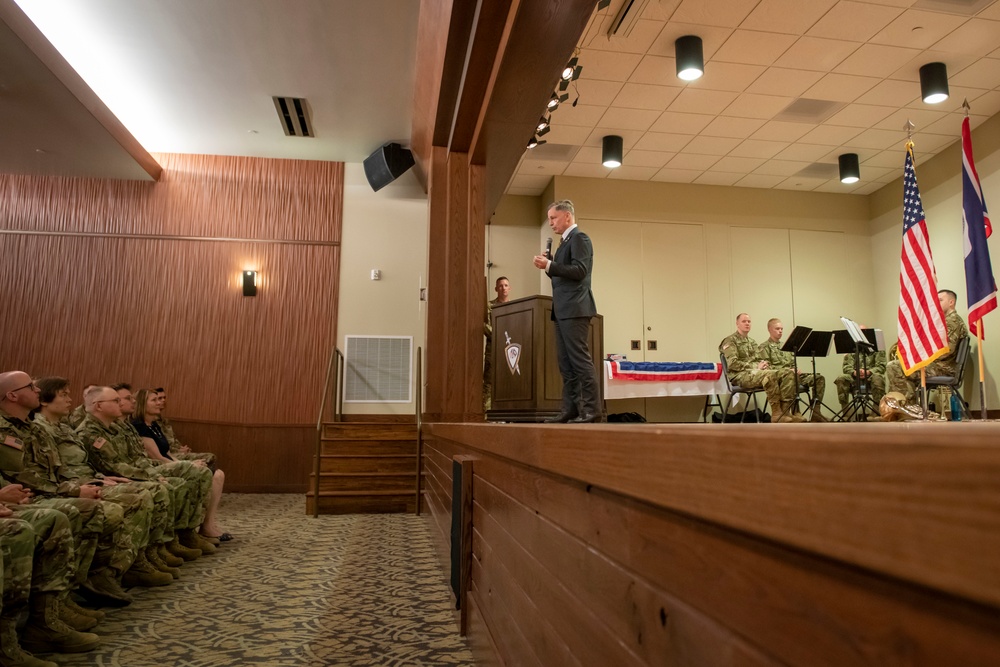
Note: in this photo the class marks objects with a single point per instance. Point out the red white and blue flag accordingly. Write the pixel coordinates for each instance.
(923, 336)
(979, 282)
(660, 371)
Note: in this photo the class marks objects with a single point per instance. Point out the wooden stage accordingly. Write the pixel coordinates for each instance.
(810, 545)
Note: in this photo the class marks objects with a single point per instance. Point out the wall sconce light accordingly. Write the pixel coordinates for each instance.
(690, 60)
(249, 283)
(850, 171)
(611, 153)
(934, 83)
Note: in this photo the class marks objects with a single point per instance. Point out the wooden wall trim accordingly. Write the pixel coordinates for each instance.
(164, 237)
(907, 501)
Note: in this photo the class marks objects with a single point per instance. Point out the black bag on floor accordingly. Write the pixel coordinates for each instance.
(627, 418)
(749, 417)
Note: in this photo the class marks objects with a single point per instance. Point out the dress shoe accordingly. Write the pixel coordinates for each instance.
(586, 418)
(560, 418)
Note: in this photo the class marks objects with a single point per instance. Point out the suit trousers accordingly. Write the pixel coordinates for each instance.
(580, 393)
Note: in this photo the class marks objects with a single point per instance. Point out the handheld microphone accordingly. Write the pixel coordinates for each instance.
(548, 248)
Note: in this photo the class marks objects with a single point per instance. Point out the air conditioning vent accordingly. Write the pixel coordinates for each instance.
(957, 7)
(294, 115)
(805, 110)
(377, 369)
(819, 170)
(627, 18)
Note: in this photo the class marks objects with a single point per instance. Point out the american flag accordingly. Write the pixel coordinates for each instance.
(923, 336)
(979, 283)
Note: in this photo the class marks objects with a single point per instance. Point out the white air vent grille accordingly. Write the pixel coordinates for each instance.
(377, 369)
(805, 110)
(293, 112)
(958, 7)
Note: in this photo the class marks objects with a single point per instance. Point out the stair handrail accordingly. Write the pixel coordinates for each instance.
(420, 433)
(336, 358)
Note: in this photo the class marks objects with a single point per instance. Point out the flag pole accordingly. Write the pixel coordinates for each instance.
(982, 377)
(923, 391)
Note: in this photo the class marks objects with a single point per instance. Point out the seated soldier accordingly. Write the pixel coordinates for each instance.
(145, 421)
(770, 351)
(178, 451)
(897, 380)
(871, 372)
(749, 371)
(79, 412)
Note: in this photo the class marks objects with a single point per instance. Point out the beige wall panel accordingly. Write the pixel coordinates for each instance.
(721, 313)
(617, 282)
(761, 278)
(511, 249)
(674, 291)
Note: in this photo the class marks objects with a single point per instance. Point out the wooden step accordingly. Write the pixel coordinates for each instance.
(392, 481)
(360, 447)
(363, 430)
(347, 502)
(372, 464)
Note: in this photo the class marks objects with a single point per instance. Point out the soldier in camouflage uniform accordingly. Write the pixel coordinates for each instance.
(502, 288)
(896, 380)
(749, 371)
(770, 351)
(111, 454)
(177, 450)
(98, 546)
(873, 372)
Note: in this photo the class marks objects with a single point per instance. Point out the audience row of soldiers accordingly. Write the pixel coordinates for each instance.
(86, 511)
(765, 366)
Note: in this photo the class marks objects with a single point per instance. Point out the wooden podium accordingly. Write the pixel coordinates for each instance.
(527, 386)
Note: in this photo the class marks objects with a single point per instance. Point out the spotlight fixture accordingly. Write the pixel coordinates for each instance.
(850, 171)
(934, 83)
(249, 283)
(543, 124)
(535, 141)
(690, 61)
(556, 100)
(611, 153)
(570, 73)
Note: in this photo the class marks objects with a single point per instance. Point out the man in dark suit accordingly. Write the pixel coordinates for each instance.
(572, 307)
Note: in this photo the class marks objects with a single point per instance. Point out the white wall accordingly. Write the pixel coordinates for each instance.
(511, 242)
(385, 230)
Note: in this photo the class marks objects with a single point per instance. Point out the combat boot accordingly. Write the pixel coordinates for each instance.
(781, 413)
(817, 414)
(153, 556)
(178, 549)
(11, 653)
(103, 590)
(75, 620)
(142, 573)
(68, 601)
(167, 557)
(45, 633)
(189, 538)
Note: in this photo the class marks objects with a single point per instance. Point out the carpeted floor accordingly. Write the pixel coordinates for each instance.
(362, 589)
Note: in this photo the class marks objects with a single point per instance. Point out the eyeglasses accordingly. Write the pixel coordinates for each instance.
(109, 400)
(33, 386)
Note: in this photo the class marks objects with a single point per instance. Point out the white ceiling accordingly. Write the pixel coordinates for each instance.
(760, 56)
(196, 76)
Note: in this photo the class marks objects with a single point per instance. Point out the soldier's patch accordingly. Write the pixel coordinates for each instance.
(99, 443)
(11, 441)
(726, 346)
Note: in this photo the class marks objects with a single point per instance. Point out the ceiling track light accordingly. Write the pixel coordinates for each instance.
(535, 141)
(690, 58)
(934, 83)
(850, 171)
(543, 124)
(611, 151)
(556, 100)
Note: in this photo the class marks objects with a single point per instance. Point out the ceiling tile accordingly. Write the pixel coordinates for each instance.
(560, 133)
(583, 115)
(816, 53)
(525, 192)
(728, 13)
(630, 173)
(841, 87)
(718, 178)
(537, 167)
(854, 21)
(629, 137)
(758, 148)
(781, 81)
(879, 139)
(588, 155)
(801, 152)
(643, 34)
(735, 164)
(987, 104)
(889, 159)
(778, 130)
(870, 172)
(668, 175)
(991, 12)
(759, 181)
(681, 123)
(860, 115)
(656, 159)
(645, 96)
(868, 188)
(660, 11)
(711, 145)
(931, 144)
(917, 29)
(976, 37)
(837, 187)
(790, 16)
(754, 47)
(801, 183)
(628, 119)
(607, 65)
(712, 38)
(781, 168)
(737, 128)
(830, 135)
(734, 77)
(891, 93)
(749, 105)
(657, 71)
(910, 70)
(957, 95)
(984, 73)
(587, 170)
(688, 161)
(920, 118)
(530, 181)
(876, 60)
(662, 141)
(702, 101)
(594, 92)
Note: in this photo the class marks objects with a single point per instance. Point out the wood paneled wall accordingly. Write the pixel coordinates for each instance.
(107, 281)
(707, 546)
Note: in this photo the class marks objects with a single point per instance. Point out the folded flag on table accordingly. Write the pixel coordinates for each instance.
(660, 371)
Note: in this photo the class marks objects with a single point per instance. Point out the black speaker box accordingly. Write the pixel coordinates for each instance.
(387, 164)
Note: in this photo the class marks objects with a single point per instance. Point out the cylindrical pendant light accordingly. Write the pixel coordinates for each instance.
(690, 61)
(611, 154)
(850, 171)
(934, 83)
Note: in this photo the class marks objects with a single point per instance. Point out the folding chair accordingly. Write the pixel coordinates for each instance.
(734, 392)
(954, 381)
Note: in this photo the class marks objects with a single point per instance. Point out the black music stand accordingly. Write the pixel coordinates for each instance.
(849, 342)
(817, 345)
(794, 345)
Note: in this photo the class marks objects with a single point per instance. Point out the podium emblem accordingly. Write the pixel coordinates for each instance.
(513, 354)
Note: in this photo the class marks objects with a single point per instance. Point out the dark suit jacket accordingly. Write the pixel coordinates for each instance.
(570, 272)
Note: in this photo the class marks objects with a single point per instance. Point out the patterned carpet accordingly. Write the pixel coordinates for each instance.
(362, 589)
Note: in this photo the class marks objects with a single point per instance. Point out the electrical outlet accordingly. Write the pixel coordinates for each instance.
(636, 345)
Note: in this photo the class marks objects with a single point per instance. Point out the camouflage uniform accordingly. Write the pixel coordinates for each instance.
(76, 416)
(872, 361)
(175, 446)
(770, 351)
(37, 552)
(944, 365)
(741, 358)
